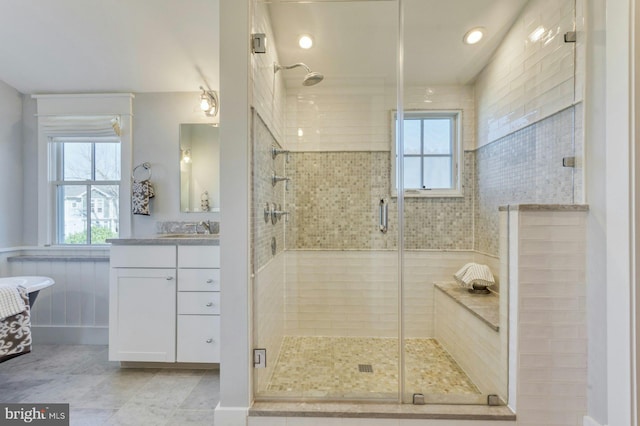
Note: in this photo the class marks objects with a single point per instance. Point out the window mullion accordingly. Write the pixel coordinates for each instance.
(422, 142)
(89, 211)
(59, 214)
(93, 162)
(453, 151)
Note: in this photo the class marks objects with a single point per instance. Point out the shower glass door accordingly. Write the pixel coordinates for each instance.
(467, 140)
(325, 260)
(433, 129)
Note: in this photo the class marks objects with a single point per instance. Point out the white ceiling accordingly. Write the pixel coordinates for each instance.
(358, 38)
(72, 46)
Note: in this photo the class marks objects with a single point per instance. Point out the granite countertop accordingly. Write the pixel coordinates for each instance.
(484, 306)
(168, 240)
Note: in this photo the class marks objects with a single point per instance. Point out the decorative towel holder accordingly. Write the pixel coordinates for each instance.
(147, 168)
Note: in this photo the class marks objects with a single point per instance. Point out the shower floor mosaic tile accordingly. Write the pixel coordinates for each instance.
(331, 367)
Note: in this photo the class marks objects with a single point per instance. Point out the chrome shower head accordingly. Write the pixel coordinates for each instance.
(312, 78)
(309, 80)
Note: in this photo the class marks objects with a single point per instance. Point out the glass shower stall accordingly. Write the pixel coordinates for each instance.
(365, 203)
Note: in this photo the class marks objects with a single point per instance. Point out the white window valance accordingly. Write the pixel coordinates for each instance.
(76, 125)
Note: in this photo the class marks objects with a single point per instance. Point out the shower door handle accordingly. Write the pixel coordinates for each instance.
(384, 216)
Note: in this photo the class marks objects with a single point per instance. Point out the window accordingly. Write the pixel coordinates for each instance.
(86, 189)
(432, 154)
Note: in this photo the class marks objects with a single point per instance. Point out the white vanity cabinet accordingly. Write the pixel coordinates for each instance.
(142, 303)
(198, 324)
(164, 303)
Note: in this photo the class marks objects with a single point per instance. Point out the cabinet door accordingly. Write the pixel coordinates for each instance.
(142, 314)
(198, 338)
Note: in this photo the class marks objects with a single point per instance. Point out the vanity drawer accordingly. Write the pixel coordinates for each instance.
(199, 303)
(143, 256)
(198, 256)
(198, 279)
(198, 338)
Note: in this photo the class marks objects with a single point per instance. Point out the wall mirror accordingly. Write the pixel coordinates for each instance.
(199, 168)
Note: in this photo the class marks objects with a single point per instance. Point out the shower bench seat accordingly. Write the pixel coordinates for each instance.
(485, 307)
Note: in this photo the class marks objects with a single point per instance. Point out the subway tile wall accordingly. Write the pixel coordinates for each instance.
(342, 118)
(548, 257)
(268, 94)
(269, 314)
(476, 347)
(531, 75)
(339, 118)
(354, 292)
(265, 193)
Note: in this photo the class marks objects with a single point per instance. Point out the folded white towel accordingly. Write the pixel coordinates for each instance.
(11, 302)
(474, 273)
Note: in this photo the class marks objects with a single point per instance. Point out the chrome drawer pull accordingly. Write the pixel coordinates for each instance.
(169, 278)
(209, 340)
(209, 281)
(210, 304)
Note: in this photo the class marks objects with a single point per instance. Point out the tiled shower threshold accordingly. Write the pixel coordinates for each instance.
(381, 411)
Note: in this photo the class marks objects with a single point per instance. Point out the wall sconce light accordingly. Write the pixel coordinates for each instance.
(186, 156)
(209, 102)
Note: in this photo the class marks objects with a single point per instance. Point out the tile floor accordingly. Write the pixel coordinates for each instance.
(329, 367)
(101, 393)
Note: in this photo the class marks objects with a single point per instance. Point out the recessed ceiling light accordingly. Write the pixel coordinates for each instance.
(305, 41)
(473, 36)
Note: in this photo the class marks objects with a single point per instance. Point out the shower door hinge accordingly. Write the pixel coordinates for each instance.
(494, 400)
(260, 358)
(570, 37)
(568, 161)
(258, 43)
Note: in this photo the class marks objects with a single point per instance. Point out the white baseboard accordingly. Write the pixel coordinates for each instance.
(588, 421)
(46, 334)
(231, 416)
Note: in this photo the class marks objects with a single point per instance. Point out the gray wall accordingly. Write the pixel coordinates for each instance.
(11, 184)
(156, 132)
(156, 121)
(30, 174)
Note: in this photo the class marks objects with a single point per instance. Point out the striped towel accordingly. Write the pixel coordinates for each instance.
(10, 301)
(474, 273)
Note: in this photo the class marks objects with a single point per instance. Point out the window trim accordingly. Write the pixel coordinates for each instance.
(457, 154)
(78, 105)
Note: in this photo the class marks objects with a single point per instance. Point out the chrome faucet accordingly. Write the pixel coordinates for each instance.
(207, 226)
